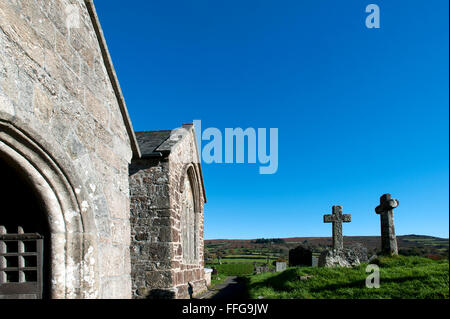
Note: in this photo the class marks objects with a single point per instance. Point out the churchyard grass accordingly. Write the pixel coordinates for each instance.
(400, 277)
(247, 259)
(235, 269)
(217, 279)
(225, 270)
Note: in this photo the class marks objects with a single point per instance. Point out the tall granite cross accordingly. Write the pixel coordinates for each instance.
(388, 239)
(337, 218)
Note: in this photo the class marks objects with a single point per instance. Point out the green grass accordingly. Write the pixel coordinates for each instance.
(236, 269)
(225, 270)
(252, 255)
(400, 277)
(245, 260)
(217, 279)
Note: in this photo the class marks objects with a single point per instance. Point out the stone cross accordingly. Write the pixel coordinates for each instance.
(337, 218)
(388, 239)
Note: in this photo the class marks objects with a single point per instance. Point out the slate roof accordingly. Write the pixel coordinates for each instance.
(150, 141)
(160, 143)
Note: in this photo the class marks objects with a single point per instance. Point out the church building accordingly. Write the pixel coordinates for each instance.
(90, 209)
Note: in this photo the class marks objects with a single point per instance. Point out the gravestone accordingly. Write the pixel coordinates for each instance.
(208, 272)
(337, 218)
(386, 212)
(280, 266)
(315, 261)
(300, 256)
(262, 269)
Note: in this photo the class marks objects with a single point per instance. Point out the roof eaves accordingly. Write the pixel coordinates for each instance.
(113, 77)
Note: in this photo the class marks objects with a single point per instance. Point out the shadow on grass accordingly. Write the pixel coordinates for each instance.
(277, 282)
(283, 283)
(362, 283)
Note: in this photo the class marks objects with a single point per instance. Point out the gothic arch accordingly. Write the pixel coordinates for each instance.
(73, 268)
(190, 171)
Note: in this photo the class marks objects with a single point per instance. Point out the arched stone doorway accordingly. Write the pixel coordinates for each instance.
(70, 266)
(24, 239)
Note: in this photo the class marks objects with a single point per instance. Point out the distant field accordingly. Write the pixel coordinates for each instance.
(409, 245)
(428, 241)
(249, 257)
(245, 260)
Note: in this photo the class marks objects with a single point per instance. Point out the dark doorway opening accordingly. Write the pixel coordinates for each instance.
(25, 249)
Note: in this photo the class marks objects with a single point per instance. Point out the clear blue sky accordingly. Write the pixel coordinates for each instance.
(360, 112)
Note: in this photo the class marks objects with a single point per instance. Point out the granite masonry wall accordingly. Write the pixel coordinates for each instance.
(156, 185)
(58, 103)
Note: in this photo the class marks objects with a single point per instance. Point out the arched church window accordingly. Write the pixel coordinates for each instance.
(189, 222)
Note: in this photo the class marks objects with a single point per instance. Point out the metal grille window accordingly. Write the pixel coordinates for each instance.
(21, 265)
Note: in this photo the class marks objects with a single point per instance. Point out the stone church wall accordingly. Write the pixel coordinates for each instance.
(55, 89)
(183, 157)
(158, 267)
(151, 228)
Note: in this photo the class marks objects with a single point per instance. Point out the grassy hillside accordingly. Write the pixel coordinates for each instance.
(401, 277)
